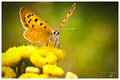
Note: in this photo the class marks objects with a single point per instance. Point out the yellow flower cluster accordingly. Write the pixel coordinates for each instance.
(7, 72)
(29, 75)
(60, 54)
(49, 71)
(44, 58)
(33, 75)
(10, 57)
(32, 70)
(13, 55)
(40, 57)
(52, 70)
(47, 55)
(27, 51)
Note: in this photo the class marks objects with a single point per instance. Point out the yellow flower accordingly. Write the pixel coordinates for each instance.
(11, 57)
(43, 76)
(47, 76)
(53, 70)
(43, 57)
(32, 70)
(29, 75)
(7, 72)
(27, 51)
(70, 75)
(60, 54)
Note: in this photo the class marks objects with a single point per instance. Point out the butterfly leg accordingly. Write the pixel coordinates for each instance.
(47, 43)
(55, 42)
(59, 42)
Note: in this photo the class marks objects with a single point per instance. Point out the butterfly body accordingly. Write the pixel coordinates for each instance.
(37, 30)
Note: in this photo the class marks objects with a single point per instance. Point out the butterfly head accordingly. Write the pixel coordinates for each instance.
(55, 33)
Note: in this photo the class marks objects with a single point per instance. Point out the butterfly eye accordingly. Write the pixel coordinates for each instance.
(58, 33)
(54, 32)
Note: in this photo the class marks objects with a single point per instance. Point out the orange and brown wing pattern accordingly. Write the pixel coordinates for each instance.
(67, 16)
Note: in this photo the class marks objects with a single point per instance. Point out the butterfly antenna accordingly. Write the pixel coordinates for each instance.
(70, 28)
(49, 24)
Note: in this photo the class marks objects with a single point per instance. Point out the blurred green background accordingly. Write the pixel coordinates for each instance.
(92, 50)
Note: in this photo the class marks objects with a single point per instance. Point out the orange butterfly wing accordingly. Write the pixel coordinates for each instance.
(37, 29)
(67, 16)
(36, 35)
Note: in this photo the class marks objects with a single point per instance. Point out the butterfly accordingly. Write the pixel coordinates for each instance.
(38, 30)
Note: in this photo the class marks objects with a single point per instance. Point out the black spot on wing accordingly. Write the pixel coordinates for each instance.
(24, 20)
(28, 21)
(28, 16)
(26, 25)
(41, 24)
(36, 20)
(45, 27)
(32, 26)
